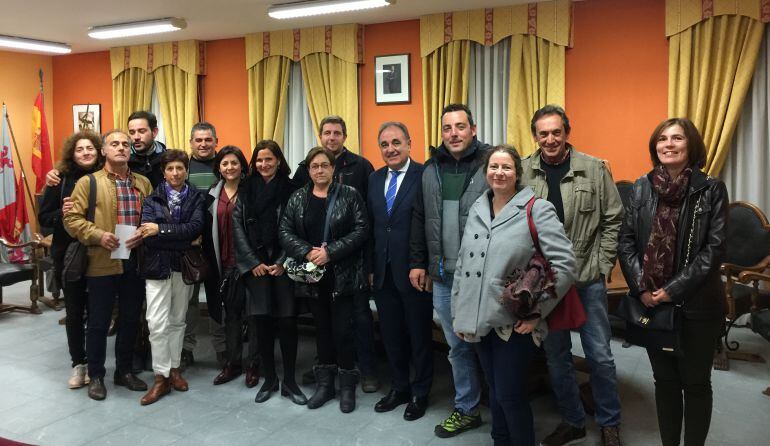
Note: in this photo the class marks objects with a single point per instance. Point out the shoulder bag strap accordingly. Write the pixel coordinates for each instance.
(91, 198)
(329, 210)
(531, 224)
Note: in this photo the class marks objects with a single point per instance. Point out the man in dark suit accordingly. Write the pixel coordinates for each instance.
(405, 314)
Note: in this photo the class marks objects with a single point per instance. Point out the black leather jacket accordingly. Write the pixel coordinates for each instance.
(702, 232)
(349, 230)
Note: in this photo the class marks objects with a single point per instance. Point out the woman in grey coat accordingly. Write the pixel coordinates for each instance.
(496, 242)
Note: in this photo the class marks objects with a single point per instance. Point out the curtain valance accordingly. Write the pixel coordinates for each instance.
(187, 55)
(548, 20)
(683, 14)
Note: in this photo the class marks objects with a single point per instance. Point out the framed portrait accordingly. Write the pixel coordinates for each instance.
(391, 79)
(87, 117)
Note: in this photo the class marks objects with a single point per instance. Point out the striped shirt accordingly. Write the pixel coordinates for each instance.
(129, 208)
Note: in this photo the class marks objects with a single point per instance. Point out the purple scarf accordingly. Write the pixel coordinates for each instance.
(175, 200)
(658, 263)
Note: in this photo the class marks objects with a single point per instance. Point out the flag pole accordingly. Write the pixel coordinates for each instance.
(21, 165)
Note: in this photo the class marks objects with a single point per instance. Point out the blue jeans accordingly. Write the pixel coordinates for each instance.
(506, 366)
(595, 337)
(462, 358)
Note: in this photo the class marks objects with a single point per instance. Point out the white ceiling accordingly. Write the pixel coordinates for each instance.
(67, 21)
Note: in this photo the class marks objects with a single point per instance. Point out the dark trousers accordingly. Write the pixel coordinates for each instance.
(406, 329)
(129, 289)
(286, 330)
(506, 365)
(334, 326)
(364, 333)
(75, 303)
(683, 384)
(234, 338)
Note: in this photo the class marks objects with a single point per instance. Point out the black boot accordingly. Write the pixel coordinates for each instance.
(324, 375)
(348, 383)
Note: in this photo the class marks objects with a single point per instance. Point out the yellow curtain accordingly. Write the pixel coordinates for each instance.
(710, 70)
(331, 86)
(536, 78)
(178, 97)
(268, 98)
(131, 91)
(444, 81)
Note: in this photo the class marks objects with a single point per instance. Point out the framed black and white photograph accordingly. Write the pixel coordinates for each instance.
(391, 79)
(87, 117)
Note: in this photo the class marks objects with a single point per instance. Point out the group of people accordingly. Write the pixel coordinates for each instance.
(445, 236)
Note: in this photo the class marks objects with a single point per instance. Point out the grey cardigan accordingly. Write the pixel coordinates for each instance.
(489, 252)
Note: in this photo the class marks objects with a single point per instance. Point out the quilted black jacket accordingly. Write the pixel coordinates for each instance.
(702, 232)
(349, 230)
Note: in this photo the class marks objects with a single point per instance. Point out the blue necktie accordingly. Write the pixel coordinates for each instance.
(390, 195)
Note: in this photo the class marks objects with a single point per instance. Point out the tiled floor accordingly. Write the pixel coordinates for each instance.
(37, 407)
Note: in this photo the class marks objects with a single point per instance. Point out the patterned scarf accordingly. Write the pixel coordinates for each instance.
(658, 264)
(175, 200)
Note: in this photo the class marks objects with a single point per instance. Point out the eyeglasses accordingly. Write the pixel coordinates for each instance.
(323, 166)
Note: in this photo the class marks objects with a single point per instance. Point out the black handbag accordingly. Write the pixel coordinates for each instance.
(76, 255)
(656, 328)
(195, 268)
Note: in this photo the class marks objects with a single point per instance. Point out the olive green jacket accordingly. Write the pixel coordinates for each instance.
(593, 211)
(105, 218)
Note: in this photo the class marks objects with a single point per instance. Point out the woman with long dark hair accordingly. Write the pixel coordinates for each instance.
(230, 168)
(269, 292)
(671, 246)
(80, 156)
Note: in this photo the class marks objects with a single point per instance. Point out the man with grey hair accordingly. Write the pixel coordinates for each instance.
(404, 313)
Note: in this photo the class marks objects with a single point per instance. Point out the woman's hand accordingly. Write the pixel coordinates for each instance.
(276, 270)
(319, 256)
(67, 205)
(260, 270)
(661, 296)
(648, 300)
(149, 229)
(525, 327)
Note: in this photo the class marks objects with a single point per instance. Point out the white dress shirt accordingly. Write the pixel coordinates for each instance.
(400, 178)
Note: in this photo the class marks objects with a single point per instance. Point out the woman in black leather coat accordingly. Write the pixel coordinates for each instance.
(671, 246)
(325, 223)
(259, 258)
(80, 156)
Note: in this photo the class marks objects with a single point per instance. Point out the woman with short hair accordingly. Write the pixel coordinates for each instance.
(496, 247)
(172, 219)
(672, 244)
(325, 223)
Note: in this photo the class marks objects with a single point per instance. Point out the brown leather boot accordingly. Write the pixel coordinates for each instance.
(160, 388)
(177, 382)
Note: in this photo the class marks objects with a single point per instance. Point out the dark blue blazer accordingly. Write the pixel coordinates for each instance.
(390, 234)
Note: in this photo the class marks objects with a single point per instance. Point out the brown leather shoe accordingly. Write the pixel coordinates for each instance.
(177, 382)
(252, 376)
(160, 388)
(229, 372)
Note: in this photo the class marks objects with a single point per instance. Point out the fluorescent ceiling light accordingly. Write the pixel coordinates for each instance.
(44, 46)
(136, 28)
(319, 7)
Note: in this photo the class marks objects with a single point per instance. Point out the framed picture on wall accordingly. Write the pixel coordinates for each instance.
(87, 117)
(391, 79)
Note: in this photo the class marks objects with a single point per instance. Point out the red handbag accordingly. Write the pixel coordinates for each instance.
(569, 314)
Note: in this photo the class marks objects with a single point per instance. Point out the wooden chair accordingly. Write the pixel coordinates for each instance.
(11, 273)
(747, 260)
